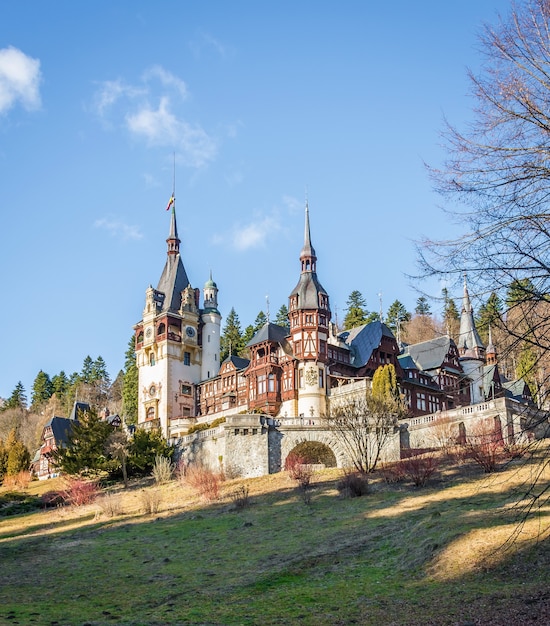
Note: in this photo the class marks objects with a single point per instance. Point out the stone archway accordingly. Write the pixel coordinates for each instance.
(292, 440)
(315, 453)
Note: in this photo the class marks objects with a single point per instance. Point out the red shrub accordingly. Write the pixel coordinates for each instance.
(203, 480)
(419, 468)
(80, 492)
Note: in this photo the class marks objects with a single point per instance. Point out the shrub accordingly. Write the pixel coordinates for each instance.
(240, 497)
(80, 492)
(150, 501)
(419, 468)
(204, 480)
(162, 470)
(485, 447)
(14, 503)
(20, 480)
(52, 499)
(110, 504)
(302, 473)
(353, 485)
(393, 472)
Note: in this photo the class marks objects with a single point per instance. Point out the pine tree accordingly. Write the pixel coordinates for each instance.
(130, 384)
(85, 450)
(357, 314)
(397, 314)
(17, 400)
(489, 316)
(60, 384)
(422, 306)
(249, 332)
(42, 389)
(451, 317)
(3, 460)
(231, 339)
(87, 370)
(281, 319)
(260, 320)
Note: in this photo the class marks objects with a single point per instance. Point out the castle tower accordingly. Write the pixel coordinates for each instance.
(167, 347)
(309, 317)
(211, 331)
(471, 348)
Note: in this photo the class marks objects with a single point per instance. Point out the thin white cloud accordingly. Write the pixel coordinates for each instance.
(161, 127)
(159, 124)
(166, 78)
(119, 229)
(255, 234)
(206, 41)
(20, 79)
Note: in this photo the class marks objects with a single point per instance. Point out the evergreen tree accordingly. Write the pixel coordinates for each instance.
(60, 384)
(281, 318)
(397, 314)
(99, 372)
(18, 458)
(384, 383)
(357, 314)
(520, 291)
(42, 389)
(130, 393)
(85, 450)
(17, 400)
(86, 375)
(249, 332)
(451, 317)
(526, 369)
(260, 321)
(231, 339)
(489, 316)
(422, 306)
(144, 447)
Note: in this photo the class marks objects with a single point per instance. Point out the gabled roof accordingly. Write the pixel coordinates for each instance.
(490, 375)
(516, 389)
(61, 427)
(363, 340)
(238, 362)
(429, 355)
(78, 407)
(269, 332)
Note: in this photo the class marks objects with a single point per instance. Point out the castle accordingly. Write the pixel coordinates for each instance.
(292, 372)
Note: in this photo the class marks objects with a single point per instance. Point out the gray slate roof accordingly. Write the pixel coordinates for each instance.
(61, 427)
(363, 340)
(308, 290)
(238, 362)
(172, 282)
(269, 332)
(429, 355)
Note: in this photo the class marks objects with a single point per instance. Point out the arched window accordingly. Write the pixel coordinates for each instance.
(161, 329)
(151, 359)
(151, 413)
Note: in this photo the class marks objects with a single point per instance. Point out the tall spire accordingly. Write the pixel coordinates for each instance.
(469, 341)
(307, 255)
(173, 240)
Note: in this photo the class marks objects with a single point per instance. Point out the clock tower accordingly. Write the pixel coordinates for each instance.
(168, 350)
(309, 317)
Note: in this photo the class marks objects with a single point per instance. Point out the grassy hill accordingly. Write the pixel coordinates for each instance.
(397, 556)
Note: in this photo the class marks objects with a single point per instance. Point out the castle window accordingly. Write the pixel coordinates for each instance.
(187, 358)
(301, 378)
(140, 337)
(161, 329)
(271, 382)
(151, 413)
(151, 359)
(186, 390)
(321, 378)
(261, 384)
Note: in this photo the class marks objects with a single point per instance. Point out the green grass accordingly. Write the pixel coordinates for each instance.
(396, 556)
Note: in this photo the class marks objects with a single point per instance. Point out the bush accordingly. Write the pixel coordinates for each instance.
(150, 501)
(162, 470)
(419, 468)
(240, 497)
(485, 447)
(110, 504)
(353, 485)
(393, 472)
(204, 480)
(80, 492)
(301, 472)
(14, 503)
(20, 480)
(52, 499)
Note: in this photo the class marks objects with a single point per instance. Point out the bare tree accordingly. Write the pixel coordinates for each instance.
(365, 427)
(498, 170)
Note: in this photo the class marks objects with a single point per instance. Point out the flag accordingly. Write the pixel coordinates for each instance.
(170, 202)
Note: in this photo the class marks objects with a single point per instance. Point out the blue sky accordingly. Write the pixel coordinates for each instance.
(262, 103)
